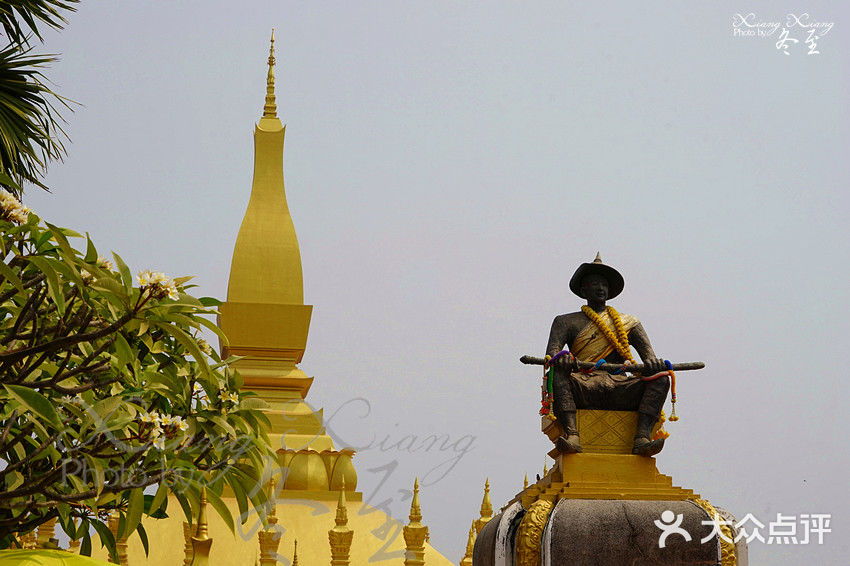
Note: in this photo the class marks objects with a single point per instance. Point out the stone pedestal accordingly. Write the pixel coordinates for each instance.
(606, 506)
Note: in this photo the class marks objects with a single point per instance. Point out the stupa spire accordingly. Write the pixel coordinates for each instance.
(341, 510)
(270, 109)
(415, 510)
(266, 321)
(269, 537)
(486, 509)
(486, 505)
(340, 536)
(266, 266)
(415, 533)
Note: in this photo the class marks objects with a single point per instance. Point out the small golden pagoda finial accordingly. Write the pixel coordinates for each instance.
(470, 546)
(486, 509)
(340, 536)
(415, 533)
(269, 537)
(525, 481)
(201, 532)
(201, 542)
(415, 511)
(486, 506)
(270, 109)
(341, 510)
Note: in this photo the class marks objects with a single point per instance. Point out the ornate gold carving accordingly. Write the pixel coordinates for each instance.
(602, 432)
(608, 432)
(486, 509)
(530, 533)
(269, 537)
(340, 536)
(270, 109)
(415, 533)
(728, 556)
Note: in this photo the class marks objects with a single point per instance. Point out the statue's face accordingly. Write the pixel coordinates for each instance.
(594, 287)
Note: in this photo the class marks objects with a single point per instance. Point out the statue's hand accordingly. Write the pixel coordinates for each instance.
(567, 363)
(653, 365)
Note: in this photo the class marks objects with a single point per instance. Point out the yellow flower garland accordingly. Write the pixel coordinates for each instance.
(620, 340)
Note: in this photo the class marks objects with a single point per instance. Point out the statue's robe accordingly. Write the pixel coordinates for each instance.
(600, 389)
(592, 345)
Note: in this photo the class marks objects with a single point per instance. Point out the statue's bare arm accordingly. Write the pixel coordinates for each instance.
(565, 328)
(640, 341)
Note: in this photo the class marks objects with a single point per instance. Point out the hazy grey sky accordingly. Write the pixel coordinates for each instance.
(448, 165)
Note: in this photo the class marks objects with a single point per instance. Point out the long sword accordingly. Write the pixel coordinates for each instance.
(684, 366)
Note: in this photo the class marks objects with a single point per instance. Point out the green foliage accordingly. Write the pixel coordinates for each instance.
(107, 389)
(30, 129)
(31, 134)
(20, 16)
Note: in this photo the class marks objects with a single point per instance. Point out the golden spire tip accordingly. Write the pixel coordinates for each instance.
(341, 509)
(415, 510)
(202, 528)
(486, 505)
(270, 109)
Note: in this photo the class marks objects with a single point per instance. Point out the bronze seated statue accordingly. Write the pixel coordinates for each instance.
(598, 332)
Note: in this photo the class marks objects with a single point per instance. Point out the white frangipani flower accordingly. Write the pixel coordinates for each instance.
(159, 283)
(228, 397)
(149, 418)
(12, 209)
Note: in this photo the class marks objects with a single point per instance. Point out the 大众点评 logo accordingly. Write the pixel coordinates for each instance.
(787, 32)
(784, 530)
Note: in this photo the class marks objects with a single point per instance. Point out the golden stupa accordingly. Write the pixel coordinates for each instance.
(316, 501)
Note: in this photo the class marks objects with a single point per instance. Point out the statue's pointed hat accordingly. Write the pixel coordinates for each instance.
(615, 280)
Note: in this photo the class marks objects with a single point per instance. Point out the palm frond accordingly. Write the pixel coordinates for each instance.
(21, 17)
(31, 134)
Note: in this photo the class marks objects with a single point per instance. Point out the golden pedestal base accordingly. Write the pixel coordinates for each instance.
(604, 476)
(601, 432)
(606, 469)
